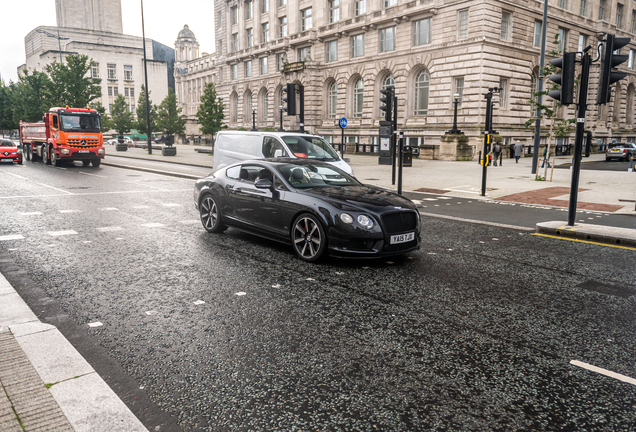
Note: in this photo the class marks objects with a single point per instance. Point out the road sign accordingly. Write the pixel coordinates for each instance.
(343, 122)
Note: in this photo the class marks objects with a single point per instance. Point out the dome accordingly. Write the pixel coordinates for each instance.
(186, 33)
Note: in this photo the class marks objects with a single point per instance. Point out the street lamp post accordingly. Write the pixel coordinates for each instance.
(148, 131)
(254, 120)
(281, 119)
(454, 130)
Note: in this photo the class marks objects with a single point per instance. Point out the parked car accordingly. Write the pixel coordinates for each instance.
(312, 205)
(620, 151)
(10, 152)
(232, 146)
(112, 142)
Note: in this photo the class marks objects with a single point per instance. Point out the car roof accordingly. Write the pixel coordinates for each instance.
(280, 134)
(282, 161)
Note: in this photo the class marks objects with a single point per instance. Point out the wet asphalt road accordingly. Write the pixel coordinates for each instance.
(474, 332)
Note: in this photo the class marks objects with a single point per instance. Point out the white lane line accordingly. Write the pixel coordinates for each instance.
(151, 312)
(61, 233)
(98, 193)
(16, 175)
(198, 302)
(240, 293)
(109, 209)
(70, 211)
(444, 198)
(95, 324)
(91, 174)
(429, 199)
(52, 187)
(11, 237)
(152, 225)
(110, 229)
(604, 372)
(171, 205)
(35, 213)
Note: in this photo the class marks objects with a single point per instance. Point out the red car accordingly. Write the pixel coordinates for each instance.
(10, 152)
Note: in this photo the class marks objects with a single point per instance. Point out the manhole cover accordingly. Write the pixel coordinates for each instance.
(608, 288)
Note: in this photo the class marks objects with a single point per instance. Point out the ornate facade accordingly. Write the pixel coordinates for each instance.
(345, 51)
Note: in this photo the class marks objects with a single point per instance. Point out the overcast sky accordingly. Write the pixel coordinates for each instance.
(164, 19)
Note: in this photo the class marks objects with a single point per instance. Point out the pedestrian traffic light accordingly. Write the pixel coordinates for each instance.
(609, 60)
(289, 99)
(387, 102)
(565, 94)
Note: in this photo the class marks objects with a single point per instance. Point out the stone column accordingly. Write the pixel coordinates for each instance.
(455, 147)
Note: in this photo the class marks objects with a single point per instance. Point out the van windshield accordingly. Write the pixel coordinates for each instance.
(310, 147)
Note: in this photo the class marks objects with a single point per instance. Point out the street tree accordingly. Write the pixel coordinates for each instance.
(170, 121)
(104, 119)
(121, 117)
(141, 124)
(7, 122)
(70, 84)
(210, 112)
(30, 96)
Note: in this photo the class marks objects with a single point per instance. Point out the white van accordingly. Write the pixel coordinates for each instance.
(232, 146)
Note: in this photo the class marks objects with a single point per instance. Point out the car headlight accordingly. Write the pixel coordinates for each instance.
(365, 221)
(346, 218)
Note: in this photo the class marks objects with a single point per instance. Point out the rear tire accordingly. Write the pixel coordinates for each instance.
(210, 214)
(308, 238)
(96, 162)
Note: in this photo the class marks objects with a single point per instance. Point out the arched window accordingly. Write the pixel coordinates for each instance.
(617, 103)
(358, 98)
(248, 107)
(233, 108)
(332, 100)
(629, 112)
(422, 82)
(264, 108)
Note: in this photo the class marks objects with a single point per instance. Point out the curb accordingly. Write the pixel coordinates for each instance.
(588, 232)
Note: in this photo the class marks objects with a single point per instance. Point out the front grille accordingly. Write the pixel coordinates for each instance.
(76, 143)
(399, 222)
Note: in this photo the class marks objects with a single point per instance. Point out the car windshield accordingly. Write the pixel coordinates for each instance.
(80, 123)
(6, 143)
(310, 147)
(316, 175)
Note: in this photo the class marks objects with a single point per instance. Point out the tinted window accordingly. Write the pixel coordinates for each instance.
(6, 143)
(233, 172)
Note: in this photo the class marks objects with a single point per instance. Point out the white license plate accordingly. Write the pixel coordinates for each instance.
(402, 238)
(7, 160)
(84, 151)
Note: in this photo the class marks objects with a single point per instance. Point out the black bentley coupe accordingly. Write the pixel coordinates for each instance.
(309, 204)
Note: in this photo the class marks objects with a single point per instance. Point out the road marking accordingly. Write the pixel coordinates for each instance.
(584, 241)
(61, 233)
(99, 193)
(110, 229)
(276, 286)
(11, 237)
(52, 187)
(198, 302)
(446, 198)
(91, 174)
(605, 372)
(70, 211)
(35, 213)
(500, 225)
(109, 209)
(18, 176)
(95, 324)
(240, 293)
(152, 225)
(151, 312)
(429, 199)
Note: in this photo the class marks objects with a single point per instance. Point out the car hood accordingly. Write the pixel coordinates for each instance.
(361, 197)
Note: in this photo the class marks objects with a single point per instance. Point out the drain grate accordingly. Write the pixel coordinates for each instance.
(607, 288)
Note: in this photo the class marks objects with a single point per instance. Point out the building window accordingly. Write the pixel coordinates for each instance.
(503, 93)
(264, 106)
(282, 26)
(331, 51)
(248, 105)
(563, 4)
(387, 39)
(264, 6)
(601, 10)
(389, 3)
(332, 103)
(115, 91)
(263, 65)
(248, 68)
(249, 33)
(505, 26)
(630, 60)
(233, 72)
(537, 33)
(304, 54)
(95, 70)
(265, 32)
(562, 38)
(422, 31)
(422, 82)
(282, 3)
(112, 71)
(459, 90)
(334, 11)
(619, 15)
(110, 91)
(583, 8)
(360, 7)
(632, 27)
(357, 45)
(249, 9)
(582, 42)
(305, 19)
(358, 98)
(280, 59)
(462, 25)
(234, 108)
(234, 15)
(235, 45)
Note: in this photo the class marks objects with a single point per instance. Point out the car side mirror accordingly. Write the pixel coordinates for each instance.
(263, 184)
(278, 153)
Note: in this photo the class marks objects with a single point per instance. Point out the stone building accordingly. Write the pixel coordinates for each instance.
(345, 51)
(94, 28)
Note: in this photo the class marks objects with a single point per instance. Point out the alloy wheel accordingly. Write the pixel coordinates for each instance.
(307, 238)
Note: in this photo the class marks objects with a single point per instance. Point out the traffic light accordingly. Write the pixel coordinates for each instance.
(290, 99)
(565, 94)
(387, 102)
(610, 60)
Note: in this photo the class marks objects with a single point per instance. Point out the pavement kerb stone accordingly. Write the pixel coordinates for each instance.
(596, 233)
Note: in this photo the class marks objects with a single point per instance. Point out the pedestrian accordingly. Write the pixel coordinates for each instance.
(518, 151)
(496, 150)
(511, 151)
(546, 159)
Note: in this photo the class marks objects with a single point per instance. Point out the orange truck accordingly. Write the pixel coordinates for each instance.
(64, 135)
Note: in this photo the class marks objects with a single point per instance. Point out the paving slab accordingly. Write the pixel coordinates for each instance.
(590, 232)
(13, 310)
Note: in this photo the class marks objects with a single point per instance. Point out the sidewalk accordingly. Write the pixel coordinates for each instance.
(46, 384)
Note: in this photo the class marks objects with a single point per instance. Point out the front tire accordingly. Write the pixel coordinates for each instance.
(210, 214)
(86, 163)
(96, 162)
(45, 155)
(55, 159)
(308, 238)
